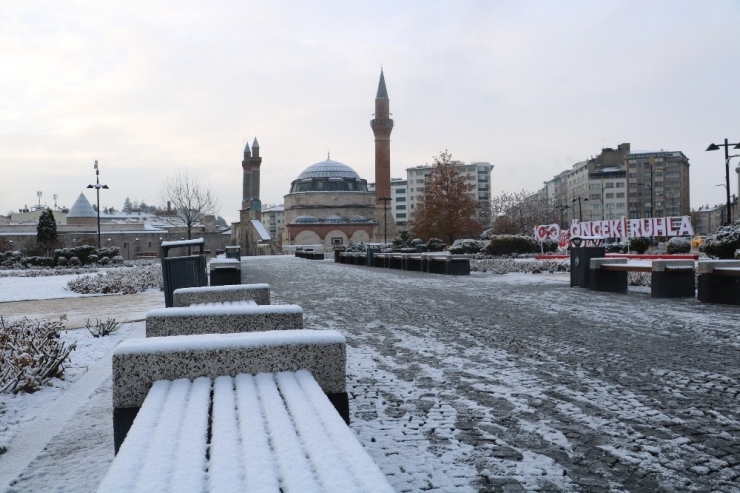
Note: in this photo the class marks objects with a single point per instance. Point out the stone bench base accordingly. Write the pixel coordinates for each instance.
(138, 363)
(269, 432)
(260, 293)
(668, 278)
(719, 281)
(222, 318)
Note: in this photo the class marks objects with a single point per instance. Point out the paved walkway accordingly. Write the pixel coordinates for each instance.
(517, 383)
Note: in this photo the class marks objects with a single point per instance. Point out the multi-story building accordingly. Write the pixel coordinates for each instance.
(273, 219)
(619, 183)
(405, 194)
(658, 184)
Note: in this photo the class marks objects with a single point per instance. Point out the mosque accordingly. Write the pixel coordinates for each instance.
(328, 203)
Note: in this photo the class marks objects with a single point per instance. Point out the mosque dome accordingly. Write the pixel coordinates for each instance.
(82, 208)
(328, 176)
(358, 219)
(335, 218)
(305, 220)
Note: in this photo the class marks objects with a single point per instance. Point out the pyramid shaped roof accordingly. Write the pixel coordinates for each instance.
(82, 208)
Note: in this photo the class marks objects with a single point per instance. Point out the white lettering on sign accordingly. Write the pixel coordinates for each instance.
(618, 228)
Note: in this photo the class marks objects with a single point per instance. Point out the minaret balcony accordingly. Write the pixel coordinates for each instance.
(381, 122)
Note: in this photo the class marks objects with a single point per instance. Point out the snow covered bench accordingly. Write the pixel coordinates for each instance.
(269, 432)
(454, 265)
(222, 318)
(138, 363)
(719, 281)
(669, 278)
(260, 293)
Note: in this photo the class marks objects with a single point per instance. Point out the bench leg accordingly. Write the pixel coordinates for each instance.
(340, 401)
(718, 289)
(123, 418)
(678, 285)
(608, 281)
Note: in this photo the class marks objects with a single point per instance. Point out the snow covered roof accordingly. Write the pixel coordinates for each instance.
(328, 169)
(82, 208)
(264, 235)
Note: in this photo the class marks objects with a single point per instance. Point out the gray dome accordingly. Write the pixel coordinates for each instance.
(328, 169)
(305, 220)
(82, 208)
(335, 218)
(358, 219)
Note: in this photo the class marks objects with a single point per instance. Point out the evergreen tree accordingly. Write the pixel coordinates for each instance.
(447, 209)
(127, 206)
(46, 230)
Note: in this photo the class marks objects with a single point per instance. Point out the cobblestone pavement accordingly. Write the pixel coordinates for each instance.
(521, 383)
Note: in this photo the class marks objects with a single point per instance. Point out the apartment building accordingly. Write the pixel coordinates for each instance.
(658, 184)
(273, 219)
(405, 193)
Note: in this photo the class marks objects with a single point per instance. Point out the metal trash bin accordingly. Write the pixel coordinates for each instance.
(233, 252)
(371, 251)
(580, 264)
(182, 272)
(225, 271)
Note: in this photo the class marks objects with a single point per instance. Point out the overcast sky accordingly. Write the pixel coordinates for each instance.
(150, 89)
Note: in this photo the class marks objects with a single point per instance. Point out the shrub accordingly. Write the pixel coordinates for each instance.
(508, 265)
(466, 246)
(5, 245)
(92, 259)
(511, 244)
(123, 281)
(640, 244)
(550, 246)
(32, 249)
(102, 329)
(403, 239)
(616, 248)
(117, 260)
(678, 246)
(91, 240)
(74, 262)
(723, 243)
(104, 261)
(31, 354)
(61, 262)
(435, 245)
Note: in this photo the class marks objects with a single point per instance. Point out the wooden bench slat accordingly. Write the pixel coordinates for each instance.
(626, 268)
(327, 462)
(124, 471)
(364, 469)
(260, 466)
(189, 472)
(225, 471)
(293, 466)
(727, 271)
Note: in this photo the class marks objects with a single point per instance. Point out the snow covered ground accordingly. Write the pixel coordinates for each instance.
(36, 288)
(481, 383)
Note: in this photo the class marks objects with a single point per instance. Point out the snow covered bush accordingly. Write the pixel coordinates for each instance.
(678, 245)
(74, 262)
(722, 243)
(511, 244)
(102, 329)
(93, 259)
(616, 248)
(639, 244)
(509, 265)
(123, 281)
(5, 245)
(116, 260)
(104, 261)
(435, 245)
(31, 354)
(466, 246)
(638, 279)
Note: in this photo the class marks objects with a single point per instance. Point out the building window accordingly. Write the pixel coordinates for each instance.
(336, 241)
(609, 185)
(609, 195)
(400, 190)
(620, 184)
(400, 199)
(401, 215)
(620, 195)
(620, 205)
(634, 214)
(400, 207)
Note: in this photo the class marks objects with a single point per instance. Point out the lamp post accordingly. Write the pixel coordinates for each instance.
(726, 145)
(580, 210)
(385, 218)
(97, 186)
(562, 208)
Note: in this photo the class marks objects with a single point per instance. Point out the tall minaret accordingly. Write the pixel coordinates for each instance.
(382, 125)
(251, 180)
(247, 177)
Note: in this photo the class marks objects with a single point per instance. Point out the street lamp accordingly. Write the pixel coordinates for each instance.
(562, 208)
(97, 186)
(580, 210)
(385, 218)
(726, 145)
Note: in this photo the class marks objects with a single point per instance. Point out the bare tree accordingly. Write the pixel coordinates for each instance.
(447, 209)
(191, 199)
(520, 212)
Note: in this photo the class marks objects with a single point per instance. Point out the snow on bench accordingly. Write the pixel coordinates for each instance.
(222, 318)
(260, 293)
(669, 278)
(269, 432)
(138, 363)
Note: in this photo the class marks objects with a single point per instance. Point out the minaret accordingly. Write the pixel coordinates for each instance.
(247, 177)
(256, 161)
(382, 125)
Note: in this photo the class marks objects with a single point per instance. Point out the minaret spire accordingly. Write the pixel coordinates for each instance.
(382, 91)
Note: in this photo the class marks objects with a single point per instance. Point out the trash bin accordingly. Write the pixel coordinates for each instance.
(371, 251)
(337, 251)
(580, 260)
(233, 252)
(225, 271)
(182, 272)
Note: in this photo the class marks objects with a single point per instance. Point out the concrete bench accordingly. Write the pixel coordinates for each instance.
(222, 318)
(453, 265)
(719, 281)
(260, 293)
(269, 432)
(138, 363)
(669, 278)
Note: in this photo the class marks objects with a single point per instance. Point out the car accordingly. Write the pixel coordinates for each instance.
(696, 241)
